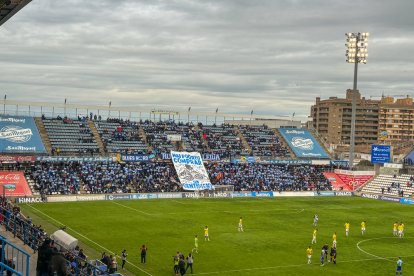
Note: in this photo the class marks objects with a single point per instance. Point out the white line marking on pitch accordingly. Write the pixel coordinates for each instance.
(297, 211)
(86, 238)
(176, 201)
(297, 265)
(378, 257)
(136, 210)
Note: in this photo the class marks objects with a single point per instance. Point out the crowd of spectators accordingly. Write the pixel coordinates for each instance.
(223, 140)
(52, 259)
(269, 177)
(69, 136)
(110, 177)
(264, 142)
(125, 178)
(157, 136)
(55, 178)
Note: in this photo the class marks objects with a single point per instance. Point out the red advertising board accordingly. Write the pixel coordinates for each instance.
(335, 181)
(18, 180)
(17, 158)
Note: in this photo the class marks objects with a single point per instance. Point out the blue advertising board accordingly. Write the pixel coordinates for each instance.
(380, 154)
(19, 134)
(136, 158)
(407, 201)
(303, 144)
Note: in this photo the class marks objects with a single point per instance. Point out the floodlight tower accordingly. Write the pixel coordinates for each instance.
(357, 52)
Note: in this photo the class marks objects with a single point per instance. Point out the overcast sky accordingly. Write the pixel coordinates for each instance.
(273, 57)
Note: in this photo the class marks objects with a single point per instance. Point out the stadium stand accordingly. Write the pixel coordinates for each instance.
(120, 136)
(74, 261)
(222, 140)
(264, 142)
(157, 136)
(267, 177)
(69, 136)
(48, 178)
(391, 185)
(53, 178)
(126, 178)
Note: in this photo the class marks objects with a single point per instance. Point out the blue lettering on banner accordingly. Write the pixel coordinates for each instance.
(206, 156)
(183, 158)
(198, 186)
(303, 144)
(20, 135)
(407, 201)
(380, 154)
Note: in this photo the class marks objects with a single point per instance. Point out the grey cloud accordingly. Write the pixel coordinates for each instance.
(270, 56)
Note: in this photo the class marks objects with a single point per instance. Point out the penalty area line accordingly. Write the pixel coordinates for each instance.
(86, 238)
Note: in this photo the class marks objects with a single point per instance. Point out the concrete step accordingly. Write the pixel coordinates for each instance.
(97, 137)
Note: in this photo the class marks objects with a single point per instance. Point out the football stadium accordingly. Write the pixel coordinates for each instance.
(92, 189)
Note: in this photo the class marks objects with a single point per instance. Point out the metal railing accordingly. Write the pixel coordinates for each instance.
(13, 259)
(34, 237)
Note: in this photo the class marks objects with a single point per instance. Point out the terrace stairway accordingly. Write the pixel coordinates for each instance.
(97, 137)
(143, 135)
(243, 140)
(43, 134)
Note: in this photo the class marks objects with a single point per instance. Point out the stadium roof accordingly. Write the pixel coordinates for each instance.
(8, 8)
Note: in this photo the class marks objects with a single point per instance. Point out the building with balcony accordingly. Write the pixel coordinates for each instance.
(396, 120)
(331, 118)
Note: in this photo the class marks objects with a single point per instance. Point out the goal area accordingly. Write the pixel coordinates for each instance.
(223, 188)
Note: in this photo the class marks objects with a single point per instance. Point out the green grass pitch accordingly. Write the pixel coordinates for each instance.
(277, 232)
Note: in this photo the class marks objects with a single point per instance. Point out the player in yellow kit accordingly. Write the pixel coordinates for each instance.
(395, 229)
(363, 227)
(400, 228)
(241, 224)
(334, 239)
(315, 231)
(347, 229)
(309, 252)
(195, 244)
(206, 237)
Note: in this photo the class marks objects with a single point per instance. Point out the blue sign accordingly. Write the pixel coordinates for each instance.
(135, 158)
(262, 194)
(407, 201)
(302, 143)
(243, 194)
(19, 135)
(380, 154)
